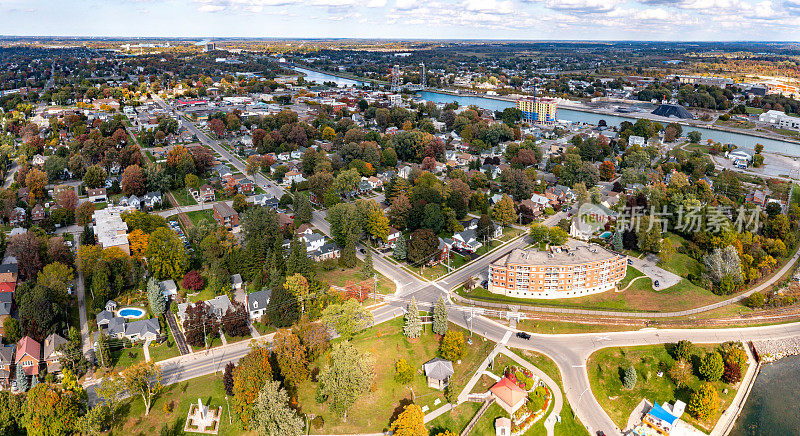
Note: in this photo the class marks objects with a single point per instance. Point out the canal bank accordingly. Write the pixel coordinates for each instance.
(771, 407)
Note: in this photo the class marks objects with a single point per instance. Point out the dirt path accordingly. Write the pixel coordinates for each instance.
(182, 217)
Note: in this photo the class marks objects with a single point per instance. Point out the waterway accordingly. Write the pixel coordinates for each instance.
(771, 408)
(742, 141)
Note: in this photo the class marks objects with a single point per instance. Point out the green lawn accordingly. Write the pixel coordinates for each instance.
(568, 327)
(606, 366)
(165, 350)
(372, 412)
(455, 420)
(183, 198)
(340, 276)
(132, 421)
(197, 215)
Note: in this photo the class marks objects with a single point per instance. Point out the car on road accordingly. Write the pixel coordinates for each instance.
(523, 335)
(600, 433)
(362, 251)
(630, 261)
(655, 283)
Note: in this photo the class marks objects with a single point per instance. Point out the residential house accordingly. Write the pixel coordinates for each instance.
(246, 185)
(293, 176)
(404, 171)
(392, 237)
(226, 216)
(6, 359)
(325, 252)
(206, 194)
(438, 372)
(6, 308)
(37, 160)
(17, 216)
(266, 200)
(152, 200)
(38, 213)
(110, 229)
(257, 303)
(142, 329)
(132, 202)
(52, 353)
(97, 195)
(285, 220)
(29, 355)
(364, 187)
(502, 426)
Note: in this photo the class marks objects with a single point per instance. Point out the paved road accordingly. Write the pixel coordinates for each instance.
(649, 268)
(80, 292)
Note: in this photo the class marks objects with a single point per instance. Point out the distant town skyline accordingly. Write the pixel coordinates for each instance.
(681, 20)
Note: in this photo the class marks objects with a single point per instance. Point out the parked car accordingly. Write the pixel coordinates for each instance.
(523, 335)
(655, 283)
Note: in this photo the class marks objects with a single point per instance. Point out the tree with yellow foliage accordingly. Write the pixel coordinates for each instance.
(138, 243)
(410, 422)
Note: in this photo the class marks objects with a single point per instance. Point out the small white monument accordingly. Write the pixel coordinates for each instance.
(201, 419)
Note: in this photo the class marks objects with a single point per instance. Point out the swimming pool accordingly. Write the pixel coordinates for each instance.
(605, 235)
(131, 312)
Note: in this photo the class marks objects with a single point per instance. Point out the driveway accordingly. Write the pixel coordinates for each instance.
(648, 267)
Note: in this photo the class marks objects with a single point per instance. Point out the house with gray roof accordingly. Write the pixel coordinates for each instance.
(104, 318)
(142, 329)
(52, 354)
(257, 303)
(7, 353)
(438, 371)
(168, 288)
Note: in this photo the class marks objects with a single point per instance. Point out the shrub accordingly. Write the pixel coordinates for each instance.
(711, 367)
(682, 350)
(704, 402)
(453, 347)
(755, 300)
(193, 280)
(403, 372)
(732, 374)
(680, 373)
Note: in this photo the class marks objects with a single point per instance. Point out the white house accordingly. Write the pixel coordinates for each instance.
(257, 303)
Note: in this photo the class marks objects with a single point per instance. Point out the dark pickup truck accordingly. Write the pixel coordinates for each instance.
(523, 335)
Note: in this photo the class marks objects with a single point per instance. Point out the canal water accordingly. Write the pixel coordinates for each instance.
(746, 142)
(771, 409)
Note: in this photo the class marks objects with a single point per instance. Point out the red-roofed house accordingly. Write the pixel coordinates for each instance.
(8, 286)
(29, 354)
(508, 395)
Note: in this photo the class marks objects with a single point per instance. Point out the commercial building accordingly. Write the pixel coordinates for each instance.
(538, 110)
(780, 120)
(573, 270)
(110, 229)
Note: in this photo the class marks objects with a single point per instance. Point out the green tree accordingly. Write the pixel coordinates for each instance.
(12, 330)
(694, 136)
(347, 318)
(682, 350)
(349, 375)
(143, 379)
(348, 257)
(440, 317)
(629, 378)
(303, 210)
(166, 255)
(52, 411)
(273, 415)
(413, 324)
(22, 379)
(617, 241)
(158, 303)
(557, 235)
(95, 177)
(410, 422)
(400, 252)
(711, 367)
(97, 420)
(367, 270)
(704, 402)
(503, 211)
(453, 347)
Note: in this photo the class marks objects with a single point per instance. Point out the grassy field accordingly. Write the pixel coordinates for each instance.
(132, 421)
(606, 366)
(373, 411)
(568, 327)
(183, 198)
(639, 297)
(455, 420)
(340, 276)
(197, 215)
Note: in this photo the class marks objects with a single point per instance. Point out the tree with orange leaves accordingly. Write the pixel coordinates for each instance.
(36, 181)
(254, 370)
(138, 243)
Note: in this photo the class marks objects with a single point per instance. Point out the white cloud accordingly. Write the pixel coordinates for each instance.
(490, 6)
(376, 3)
(406, 4)
(211, 8)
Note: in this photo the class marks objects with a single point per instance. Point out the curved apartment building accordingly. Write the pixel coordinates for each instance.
(573, 270)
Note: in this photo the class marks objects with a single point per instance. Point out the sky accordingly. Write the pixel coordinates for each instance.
(695, 20)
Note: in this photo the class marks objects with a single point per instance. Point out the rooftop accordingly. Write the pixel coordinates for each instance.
(573, 252)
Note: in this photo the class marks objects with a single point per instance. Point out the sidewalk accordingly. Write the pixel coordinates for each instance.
(729, 416)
